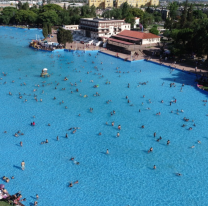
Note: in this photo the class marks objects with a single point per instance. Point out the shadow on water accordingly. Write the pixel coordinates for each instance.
(33, 197)
(181, 78)
(17, 167)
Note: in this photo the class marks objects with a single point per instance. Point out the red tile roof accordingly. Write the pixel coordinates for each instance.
(124, 37)
(119, 41)
(138, 34)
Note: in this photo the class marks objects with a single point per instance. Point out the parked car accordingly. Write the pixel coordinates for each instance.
(82, 42)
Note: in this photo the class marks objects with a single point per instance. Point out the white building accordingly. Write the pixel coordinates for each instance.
(101, 27)
(136, 22)
(71, 27)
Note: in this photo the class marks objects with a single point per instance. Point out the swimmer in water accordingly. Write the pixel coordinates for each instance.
(150, 150)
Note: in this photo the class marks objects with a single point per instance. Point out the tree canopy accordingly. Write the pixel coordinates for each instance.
(64, 36)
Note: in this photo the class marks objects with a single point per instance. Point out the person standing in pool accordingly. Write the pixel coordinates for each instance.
(23, 165)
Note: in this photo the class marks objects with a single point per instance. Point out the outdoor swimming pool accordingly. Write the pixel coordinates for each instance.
(125, 176)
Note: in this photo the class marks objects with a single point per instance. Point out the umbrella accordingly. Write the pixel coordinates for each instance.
(1, 186)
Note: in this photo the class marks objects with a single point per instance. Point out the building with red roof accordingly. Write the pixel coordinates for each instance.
(130, 41)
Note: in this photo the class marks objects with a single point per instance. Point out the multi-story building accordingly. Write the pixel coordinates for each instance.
(98, 28)
(135, 3)
(101, 3)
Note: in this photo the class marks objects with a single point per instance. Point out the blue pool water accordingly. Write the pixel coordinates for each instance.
(125, 176)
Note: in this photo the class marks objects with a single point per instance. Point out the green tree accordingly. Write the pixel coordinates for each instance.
(49, 28)
(19, 5)
(198, 14)
(49, 16)
(184, 16)
(190, 16)
(7, 15)
(25, 6)
(157, 16)
(45, 30)
(173, 7)
(147, 19)
(25, 17)
(93, 11)
(136, 12)
(125, 9)
(52, 7)
(130, 19)
(64, 36)
(154, 30)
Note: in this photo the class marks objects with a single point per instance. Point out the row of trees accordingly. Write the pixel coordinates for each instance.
(129, 13)
(188, 30)
(51, 14)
